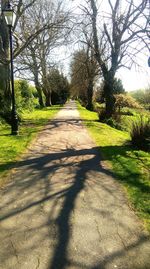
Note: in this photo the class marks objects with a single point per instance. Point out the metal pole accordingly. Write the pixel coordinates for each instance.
(14, 117)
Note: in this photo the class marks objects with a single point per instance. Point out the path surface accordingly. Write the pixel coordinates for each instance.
(63, 210)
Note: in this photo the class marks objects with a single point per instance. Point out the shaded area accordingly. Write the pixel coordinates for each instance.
(126, 170)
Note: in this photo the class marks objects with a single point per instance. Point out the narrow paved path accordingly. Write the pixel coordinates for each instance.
(63, 209)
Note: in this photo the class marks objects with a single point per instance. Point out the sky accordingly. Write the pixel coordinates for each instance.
(132, 79)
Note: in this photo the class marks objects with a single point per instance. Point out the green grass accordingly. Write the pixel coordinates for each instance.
(131, 167)
(11, 147)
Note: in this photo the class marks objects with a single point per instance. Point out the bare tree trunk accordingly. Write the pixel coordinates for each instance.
(48, 99)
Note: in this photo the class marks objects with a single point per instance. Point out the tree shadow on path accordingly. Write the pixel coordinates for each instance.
(83, 162)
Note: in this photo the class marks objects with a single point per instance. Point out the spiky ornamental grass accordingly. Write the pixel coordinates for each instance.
(140, 133)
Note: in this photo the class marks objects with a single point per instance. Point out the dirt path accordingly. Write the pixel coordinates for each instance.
(63, 210)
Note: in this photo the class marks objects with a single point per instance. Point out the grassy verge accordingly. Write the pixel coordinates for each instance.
(11, 147)
(130, 166)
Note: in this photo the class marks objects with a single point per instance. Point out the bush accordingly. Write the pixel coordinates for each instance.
(24, 96)
(101, 114)
(125, 100)
(114, 121)
(140, 133)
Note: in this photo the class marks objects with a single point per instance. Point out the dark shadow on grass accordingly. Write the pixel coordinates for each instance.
(125, 166)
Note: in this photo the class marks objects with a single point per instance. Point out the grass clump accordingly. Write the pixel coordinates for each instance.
(140, 133)
(130, 166)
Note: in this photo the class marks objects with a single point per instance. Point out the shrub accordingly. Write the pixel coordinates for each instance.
(125, 100)
(114, 121)
(101, 114)
(140, 133)
(24, 96)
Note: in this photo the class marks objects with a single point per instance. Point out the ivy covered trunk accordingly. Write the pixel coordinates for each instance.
(5, 93)
(38, 88)
(90, 96)
(40, 97)
(36, 76)
(109, 98)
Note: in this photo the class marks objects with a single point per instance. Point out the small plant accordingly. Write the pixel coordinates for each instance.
(140, 133)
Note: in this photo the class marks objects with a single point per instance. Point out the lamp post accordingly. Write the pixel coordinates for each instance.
(9, 15)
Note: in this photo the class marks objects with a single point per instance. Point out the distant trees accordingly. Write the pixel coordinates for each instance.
(83, 74)
(117, 89)
(142, 96)
(118, 86)
(58, 86)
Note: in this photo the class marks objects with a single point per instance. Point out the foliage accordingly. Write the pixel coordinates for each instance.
(142, 96)
(99, 95)
(130, 166)
(118, 86)
(125, 100)
(13, 146)
(140, 133)
(58, 85)
(24, 95)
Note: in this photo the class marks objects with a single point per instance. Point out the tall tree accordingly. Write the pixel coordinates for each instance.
(36, 58)
(118, 38)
